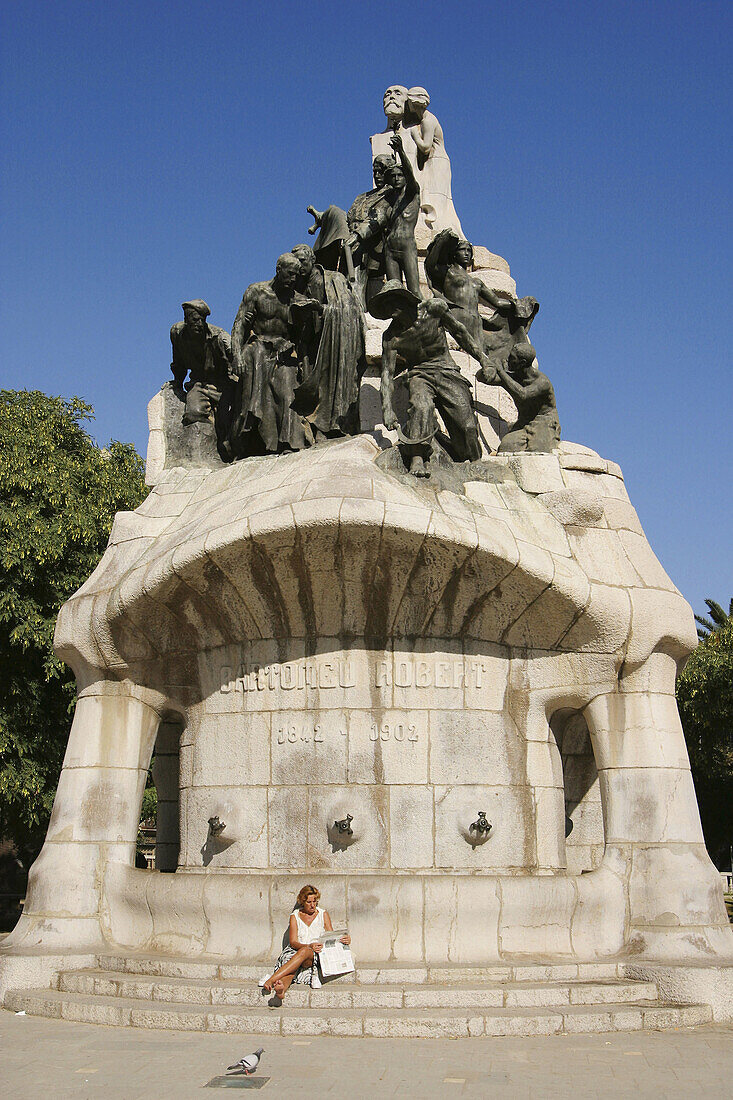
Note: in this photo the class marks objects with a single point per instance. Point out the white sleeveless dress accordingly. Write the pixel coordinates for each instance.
(307, 933)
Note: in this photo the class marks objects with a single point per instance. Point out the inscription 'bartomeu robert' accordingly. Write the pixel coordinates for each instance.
(424, 672)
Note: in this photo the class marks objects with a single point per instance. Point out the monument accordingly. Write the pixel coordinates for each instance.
(379, 628)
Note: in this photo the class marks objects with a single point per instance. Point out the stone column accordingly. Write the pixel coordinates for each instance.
(544, 776)
(94, 820)
(651, 818)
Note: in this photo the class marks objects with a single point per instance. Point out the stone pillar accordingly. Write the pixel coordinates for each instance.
(651, 818)
(165, 777)
(94, 820)
(544, 777)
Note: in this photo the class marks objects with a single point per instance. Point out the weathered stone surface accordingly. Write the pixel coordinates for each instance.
(679, 985)
(536, 473)
(534, 924)
(489, 261)
(411, 841)
(620, 515)
(176, 444)
(456, 907)
(381, 918)
(338, 639)
(586, 460)
(577, 508)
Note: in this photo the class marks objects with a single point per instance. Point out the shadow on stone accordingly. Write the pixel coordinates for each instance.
(214, 846)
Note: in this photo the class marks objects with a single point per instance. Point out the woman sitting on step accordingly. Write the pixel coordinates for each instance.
(298, 961)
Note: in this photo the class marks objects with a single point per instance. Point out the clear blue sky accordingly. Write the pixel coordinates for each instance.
(154, 152)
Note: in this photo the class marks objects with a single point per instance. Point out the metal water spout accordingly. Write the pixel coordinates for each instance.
(481, 827)
(344, 825)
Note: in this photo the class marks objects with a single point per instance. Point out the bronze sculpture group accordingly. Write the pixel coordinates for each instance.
(289, 375)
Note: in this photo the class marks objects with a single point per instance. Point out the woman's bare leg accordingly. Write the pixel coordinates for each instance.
(282, 985)
(304, 955)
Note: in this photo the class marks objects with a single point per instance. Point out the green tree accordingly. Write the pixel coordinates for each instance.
(718, 618)
(59, 492)
(705, 701)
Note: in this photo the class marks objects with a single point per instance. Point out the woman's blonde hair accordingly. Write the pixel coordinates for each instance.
(305, 893)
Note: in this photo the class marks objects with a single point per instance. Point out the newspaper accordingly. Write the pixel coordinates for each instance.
(335, 957)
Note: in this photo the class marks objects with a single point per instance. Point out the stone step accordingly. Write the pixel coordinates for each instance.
(342, 994)
(384, 1022)
(390, 973)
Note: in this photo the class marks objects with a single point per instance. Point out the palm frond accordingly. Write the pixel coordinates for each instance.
(717, 614)
(718, 618)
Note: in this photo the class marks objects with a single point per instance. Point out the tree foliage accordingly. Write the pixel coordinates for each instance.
(59, 493)
(705, 701)
(718, 618)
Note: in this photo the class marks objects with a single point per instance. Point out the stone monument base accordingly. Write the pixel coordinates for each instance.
(390, 1001)
(303, 637)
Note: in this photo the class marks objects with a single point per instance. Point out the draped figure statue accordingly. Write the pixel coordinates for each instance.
(422, 137)
(433, 165)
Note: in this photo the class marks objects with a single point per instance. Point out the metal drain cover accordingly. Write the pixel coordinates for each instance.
(237, 1082)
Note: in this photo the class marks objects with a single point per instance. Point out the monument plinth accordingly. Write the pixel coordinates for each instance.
(440, 687)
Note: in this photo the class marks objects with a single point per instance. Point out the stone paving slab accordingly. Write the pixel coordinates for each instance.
(63, 1060)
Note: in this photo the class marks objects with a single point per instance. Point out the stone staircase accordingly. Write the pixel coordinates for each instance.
(391, 1001)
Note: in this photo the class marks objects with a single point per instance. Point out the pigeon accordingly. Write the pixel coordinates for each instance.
(248, 1064)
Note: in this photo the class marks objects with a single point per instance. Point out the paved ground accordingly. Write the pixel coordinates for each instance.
(56, 1060)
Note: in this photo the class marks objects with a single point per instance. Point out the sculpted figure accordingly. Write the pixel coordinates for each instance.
(362, 206)
(505, 329)
(332, 229)
(265, 368)
(362, 226)
(329, 324)
(433, 165)
(400, 249)
(203, 352)
(537, 427)
(417, 338)
(367, 219)
(447, 263)
(306, 311)
(393, 102)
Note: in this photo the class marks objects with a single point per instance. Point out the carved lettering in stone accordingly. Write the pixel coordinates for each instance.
(327, 675)
(332, 673)
(402, 673)
(288, 677)
(394, 731)
(294, 733)
(383, 675)
(427, 671)
(442, 675)
(430, 672)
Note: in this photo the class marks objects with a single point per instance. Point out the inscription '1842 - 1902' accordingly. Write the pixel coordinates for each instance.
(342, 672)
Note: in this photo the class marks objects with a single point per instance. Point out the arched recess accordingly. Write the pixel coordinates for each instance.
(166, 776)
(584, 832)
